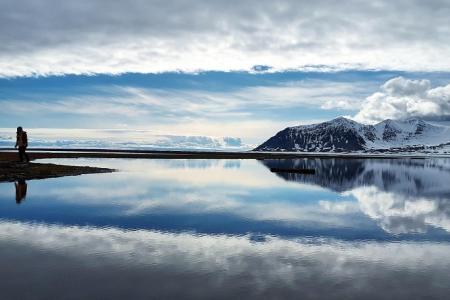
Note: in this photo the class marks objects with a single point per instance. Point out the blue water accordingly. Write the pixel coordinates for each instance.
(230, 228)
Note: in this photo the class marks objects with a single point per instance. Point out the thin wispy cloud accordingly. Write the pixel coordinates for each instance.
(134, 101)
(252, 112)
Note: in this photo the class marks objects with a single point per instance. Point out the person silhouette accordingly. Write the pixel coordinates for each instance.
(22, 143)
(21, 190)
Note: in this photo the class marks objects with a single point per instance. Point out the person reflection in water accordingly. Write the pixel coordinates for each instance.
(22, 143)
(21, 190)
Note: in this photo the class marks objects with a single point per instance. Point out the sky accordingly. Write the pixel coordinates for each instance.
(243, 69)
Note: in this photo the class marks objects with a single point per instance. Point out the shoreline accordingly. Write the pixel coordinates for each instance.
(10, 154)
(11, 171)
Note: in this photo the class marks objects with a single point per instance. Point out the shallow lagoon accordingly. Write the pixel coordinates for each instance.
(231, 228)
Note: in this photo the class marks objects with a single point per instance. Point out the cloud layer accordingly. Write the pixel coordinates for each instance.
(119, 139)
(401, 98)
(98, 36)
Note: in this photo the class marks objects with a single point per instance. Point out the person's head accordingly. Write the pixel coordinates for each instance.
(19, 129)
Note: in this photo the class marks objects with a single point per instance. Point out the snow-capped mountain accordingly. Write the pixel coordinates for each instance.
(344, 135)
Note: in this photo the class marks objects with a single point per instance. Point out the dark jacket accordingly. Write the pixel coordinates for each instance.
(22, 139)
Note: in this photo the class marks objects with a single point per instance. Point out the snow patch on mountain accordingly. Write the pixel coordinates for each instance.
(343, 135)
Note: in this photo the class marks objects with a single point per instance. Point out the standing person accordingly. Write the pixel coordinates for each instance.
(22, 143)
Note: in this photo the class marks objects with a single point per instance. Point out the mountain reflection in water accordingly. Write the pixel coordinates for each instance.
(403, 195)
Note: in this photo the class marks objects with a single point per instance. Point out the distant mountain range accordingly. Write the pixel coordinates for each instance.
(345, 135)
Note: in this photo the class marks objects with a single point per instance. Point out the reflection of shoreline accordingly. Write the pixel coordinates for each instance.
(403, 196)
(200, 163)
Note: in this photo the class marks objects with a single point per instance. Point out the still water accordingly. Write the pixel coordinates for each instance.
(221, 229)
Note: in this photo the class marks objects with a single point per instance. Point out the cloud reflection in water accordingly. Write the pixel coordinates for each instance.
(108, 262)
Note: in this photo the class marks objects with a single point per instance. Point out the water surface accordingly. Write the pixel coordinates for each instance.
(356, 229)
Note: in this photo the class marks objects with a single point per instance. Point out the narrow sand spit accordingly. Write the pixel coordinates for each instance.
(12, 171)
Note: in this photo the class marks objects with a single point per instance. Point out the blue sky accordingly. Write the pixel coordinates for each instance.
(211, 68)
(248, 105)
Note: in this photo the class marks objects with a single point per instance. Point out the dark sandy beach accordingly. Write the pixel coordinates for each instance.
(12, 171)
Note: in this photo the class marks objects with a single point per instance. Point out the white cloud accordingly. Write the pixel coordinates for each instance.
(401, 98)
(98, 36)
(119, 139)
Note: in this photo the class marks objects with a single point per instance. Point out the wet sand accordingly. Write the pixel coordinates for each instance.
(12, 171)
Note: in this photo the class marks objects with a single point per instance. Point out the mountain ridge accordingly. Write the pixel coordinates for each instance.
(346, 135)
